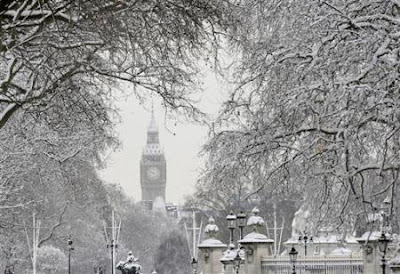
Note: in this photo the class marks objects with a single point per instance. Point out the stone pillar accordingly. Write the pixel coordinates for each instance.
(394, 264)
(255, 245)
(210, 250)
(395, 269)
(371, 253)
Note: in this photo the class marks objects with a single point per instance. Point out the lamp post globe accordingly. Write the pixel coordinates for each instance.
(237, 261)
(383, 242)
(231, 218)
(241, 220)
(293, 258)
(70, 248)
(305, 239)
(194, 264)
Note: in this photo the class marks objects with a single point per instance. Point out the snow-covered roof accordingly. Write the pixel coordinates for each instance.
(351, 240)
(341, 251)
(230, 254)
(326, 239)
(370, 236)
(211, 243)
(333, 238)
(255, 237)
(291, 241)
(395, 261)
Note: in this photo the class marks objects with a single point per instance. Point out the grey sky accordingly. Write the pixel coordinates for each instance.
(181, 149)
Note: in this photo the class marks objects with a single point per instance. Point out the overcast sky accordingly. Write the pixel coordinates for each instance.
(181, 149)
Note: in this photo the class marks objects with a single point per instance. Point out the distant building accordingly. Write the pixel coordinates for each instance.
(153, 171)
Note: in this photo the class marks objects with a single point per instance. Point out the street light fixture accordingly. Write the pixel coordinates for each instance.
(70, 248)
(305, 239)
(383, 242)
(194, 265)
(236, 261)
(112, 246)
(241, 221)
(231, 218)
(293, 258)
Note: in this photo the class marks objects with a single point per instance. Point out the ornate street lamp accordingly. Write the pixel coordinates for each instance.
(194, 265)
(293, 258)
(112, 247)
(231, 218)
(305, 239)
(70, 248)
(241, 221)
(236, 261)
(383, 242)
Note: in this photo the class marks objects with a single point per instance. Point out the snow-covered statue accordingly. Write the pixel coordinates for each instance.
(255, 221)
(211, 228)
(300, 222)
(130, 266)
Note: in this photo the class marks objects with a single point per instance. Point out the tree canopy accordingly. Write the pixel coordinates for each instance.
(62, 63)
(315, 108)
(63, 47)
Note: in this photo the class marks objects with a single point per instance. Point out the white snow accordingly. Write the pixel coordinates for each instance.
(212, 242)
(341, 251)
(255, 237)
(395, 261)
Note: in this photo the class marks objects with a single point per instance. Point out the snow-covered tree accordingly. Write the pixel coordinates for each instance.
(59, 64)
(316, 108)
(51, 260)
(173, 255)
(64, 47)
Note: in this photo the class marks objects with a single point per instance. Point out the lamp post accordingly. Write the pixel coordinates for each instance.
(241, 221)
(293, 257)
(194, 265)
(305, 239)
(233, 255)
(231, 218)
(70, 248)
(112, 246)
(383, 242)
(236, 261)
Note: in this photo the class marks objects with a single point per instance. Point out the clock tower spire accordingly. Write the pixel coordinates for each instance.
(153, 171)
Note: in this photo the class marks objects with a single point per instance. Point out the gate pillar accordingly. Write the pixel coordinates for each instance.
(210, 250)
(371, 254)
(255, 245)
(394, 264)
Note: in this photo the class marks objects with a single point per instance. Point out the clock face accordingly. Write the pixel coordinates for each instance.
(153, 173)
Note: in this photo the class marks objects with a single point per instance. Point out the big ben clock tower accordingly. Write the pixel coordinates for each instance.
(153, 172)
